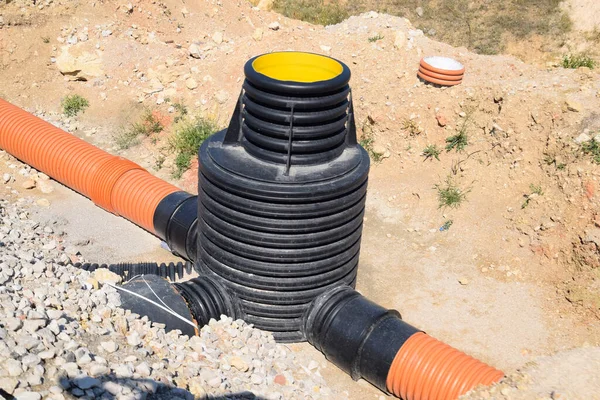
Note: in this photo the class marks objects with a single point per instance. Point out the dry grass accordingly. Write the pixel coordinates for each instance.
(483, 26)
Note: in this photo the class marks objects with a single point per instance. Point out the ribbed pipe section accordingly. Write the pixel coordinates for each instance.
(115, 184)
(208, 299)
(171, 271)
(425, 368)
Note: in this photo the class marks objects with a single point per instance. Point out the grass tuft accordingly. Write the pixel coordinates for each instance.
(147, 126)
(458, 141)
(592, 148)
(186, 141)
(431, 151)
(73, 105)
(375, 38)
(450, 195)
(575, 61)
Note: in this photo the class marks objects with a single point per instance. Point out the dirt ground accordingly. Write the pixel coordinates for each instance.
(514, 278)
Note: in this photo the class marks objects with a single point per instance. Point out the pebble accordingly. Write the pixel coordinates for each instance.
(28, 184)
(28, 396)
(109, 347)
(274, 26)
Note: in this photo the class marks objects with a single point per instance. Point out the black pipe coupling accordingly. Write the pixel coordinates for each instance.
(176, 220)
(359, 336)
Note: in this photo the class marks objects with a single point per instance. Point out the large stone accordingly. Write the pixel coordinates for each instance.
(80, 62)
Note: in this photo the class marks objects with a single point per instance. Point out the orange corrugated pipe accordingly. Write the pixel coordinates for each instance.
(113, 183)
(425, 368)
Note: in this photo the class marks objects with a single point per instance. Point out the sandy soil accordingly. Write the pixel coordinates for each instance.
(505, 283)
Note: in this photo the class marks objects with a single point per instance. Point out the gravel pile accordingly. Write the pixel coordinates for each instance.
(62, 337)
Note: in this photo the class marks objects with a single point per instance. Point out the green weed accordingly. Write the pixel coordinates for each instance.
(431, 152)
(147, 126)
(592, 148)
(575, 61)
(446, 225)
(73, 105)
(375, 38)
(450, 194)
(187, 139)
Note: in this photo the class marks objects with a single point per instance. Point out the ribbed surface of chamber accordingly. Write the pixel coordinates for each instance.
(281, 200)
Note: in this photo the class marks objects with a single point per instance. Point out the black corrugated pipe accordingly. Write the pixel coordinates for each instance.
(171, 271)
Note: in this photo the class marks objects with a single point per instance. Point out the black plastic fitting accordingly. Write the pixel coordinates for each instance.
(359, 336)
(158, 289)
(175, 221)
(281, 198)
(171, 271)
(207, 299)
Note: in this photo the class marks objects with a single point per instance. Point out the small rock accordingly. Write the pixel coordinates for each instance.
(109, 347)
(133, 339)
(195, 387)
(112, 387)
(326, 49)
(13, 324)
(221, 96)
(441, 120)
(419, 11)
(194, 51)
(103, 275)
(43, 203)
(256, 379)
(258, 34)
(191, 84)
(6, 178)
(8, 384)
(13, 367)
(573, 106)
(274, 26)
(45, 186)
(28, 184)
(463, 281)
(32, 325)
(280, 379)
(400, 40)
(583, 138)
(217, 37)
(28, 396)
(86, 382)
(238, 363)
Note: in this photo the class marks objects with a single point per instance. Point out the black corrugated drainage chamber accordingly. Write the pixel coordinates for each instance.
(275, 233)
